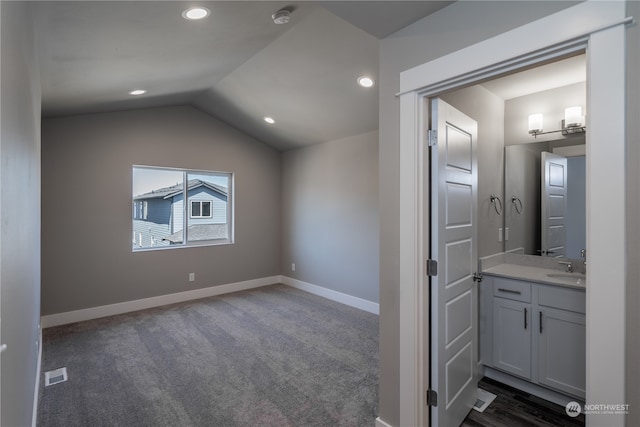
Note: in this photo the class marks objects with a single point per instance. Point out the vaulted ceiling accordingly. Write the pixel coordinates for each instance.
(236, 64)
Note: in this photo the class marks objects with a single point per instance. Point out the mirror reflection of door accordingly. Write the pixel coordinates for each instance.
(553, 204)
(523, 173)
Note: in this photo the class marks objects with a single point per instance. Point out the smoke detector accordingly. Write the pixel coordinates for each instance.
(281, 17)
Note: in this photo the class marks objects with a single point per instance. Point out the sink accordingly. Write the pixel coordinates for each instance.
(577, 278)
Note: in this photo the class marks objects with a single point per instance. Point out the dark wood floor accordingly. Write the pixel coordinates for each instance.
(515, 408)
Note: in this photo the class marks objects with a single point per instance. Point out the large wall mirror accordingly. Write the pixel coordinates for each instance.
(544, 198)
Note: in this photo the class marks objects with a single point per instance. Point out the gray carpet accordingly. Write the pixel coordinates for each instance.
(272, 356)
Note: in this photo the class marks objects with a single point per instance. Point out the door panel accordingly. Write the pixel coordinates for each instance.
(454, 332)
(553, 204)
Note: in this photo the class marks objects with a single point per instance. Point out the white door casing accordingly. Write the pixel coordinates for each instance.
(553, 205)
(454, 301)
(599, 29)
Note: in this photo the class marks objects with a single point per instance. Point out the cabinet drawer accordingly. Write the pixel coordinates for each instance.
(562, 298)
(512, 289)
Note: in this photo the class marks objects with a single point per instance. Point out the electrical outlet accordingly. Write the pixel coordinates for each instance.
(192, 277)
(293, 267)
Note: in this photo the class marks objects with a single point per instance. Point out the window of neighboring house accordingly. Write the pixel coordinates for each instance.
(181, 207)
(200, 209)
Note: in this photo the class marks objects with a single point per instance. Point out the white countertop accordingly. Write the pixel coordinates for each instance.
(537, 274)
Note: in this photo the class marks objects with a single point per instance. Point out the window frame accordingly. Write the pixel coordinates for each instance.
(186, 209)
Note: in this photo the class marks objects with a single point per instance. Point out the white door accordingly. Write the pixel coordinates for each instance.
(553, 204)
(454, 321)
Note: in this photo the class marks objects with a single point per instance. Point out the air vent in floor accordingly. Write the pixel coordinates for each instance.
(54, 377)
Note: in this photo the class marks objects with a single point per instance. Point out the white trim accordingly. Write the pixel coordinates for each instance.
(606, 225)
(340, 297)
(141, 304)
(381, 423)
(36, 388)
(571, 24)
(567, 31)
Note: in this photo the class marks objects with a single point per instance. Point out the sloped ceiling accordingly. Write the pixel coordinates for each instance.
(236, 64)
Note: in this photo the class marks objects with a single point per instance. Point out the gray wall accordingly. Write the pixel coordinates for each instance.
(633, 213)
(488, 110)
(450, 29)
(19, 213)
(87, 259)
(330, 215)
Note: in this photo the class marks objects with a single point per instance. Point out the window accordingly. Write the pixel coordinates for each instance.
(178, 208)
(201, 209)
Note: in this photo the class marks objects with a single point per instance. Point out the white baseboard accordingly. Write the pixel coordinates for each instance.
(36, 389)
(141, 304)
(349, 300)
(381, 423)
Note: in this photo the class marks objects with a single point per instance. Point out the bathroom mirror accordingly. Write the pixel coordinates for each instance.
(524, 193)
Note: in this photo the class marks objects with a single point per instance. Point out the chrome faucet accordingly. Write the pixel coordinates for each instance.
(568, 264)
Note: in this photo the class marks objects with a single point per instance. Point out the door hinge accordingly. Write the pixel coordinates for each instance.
(432, 398)
(432, 267)
(477, 277)
(432, 137)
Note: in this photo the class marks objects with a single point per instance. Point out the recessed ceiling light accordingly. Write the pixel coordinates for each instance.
(365, 81)
(269, 120)
(195, 13)
(137, 92)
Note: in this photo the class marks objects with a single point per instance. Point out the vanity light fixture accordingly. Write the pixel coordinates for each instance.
(535, 124)
(573, 123)
(137, 92)
(269, 120)
(195, 13)
(366, 81)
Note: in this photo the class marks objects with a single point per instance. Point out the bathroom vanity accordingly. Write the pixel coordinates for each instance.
(533, 329)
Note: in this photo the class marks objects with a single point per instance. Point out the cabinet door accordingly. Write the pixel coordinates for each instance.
(512, 337)
(562, 351)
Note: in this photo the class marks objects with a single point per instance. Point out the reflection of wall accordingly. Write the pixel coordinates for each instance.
(576, 202)
(523, 181)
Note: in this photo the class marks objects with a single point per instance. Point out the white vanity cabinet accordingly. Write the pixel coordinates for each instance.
(512, 326)
(562, 339)
(537, 333)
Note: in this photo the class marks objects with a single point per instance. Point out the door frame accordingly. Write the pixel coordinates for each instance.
(597, 28)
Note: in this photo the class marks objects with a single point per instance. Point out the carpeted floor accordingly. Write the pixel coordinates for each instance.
(272, 356)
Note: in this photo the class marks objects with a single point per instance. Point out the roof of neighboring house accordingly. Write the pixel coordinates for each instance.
(168, 192)
(201, 232)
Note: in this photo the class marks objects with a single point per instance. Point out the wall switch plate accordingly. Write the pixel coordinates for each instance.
(293, 267)
(192, 277)
(500, 234)
(506, 234)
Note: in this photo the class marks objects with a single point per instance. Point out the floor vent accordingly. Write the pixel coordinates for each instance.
(484, 399)
(56, 376)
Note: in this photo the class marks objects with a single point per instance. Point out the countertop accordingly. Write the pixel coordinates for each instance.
(537, 274)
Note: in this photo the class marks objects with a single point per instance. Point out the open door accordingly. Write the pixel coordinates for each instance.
(553, 205)
(454, 320)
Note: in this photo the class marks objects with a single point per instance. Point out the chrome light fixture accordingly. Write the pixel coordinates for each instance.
(574, 122)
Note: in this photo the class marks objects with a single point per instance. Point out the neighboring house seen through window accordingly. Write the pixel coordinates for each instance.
(177, 208)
